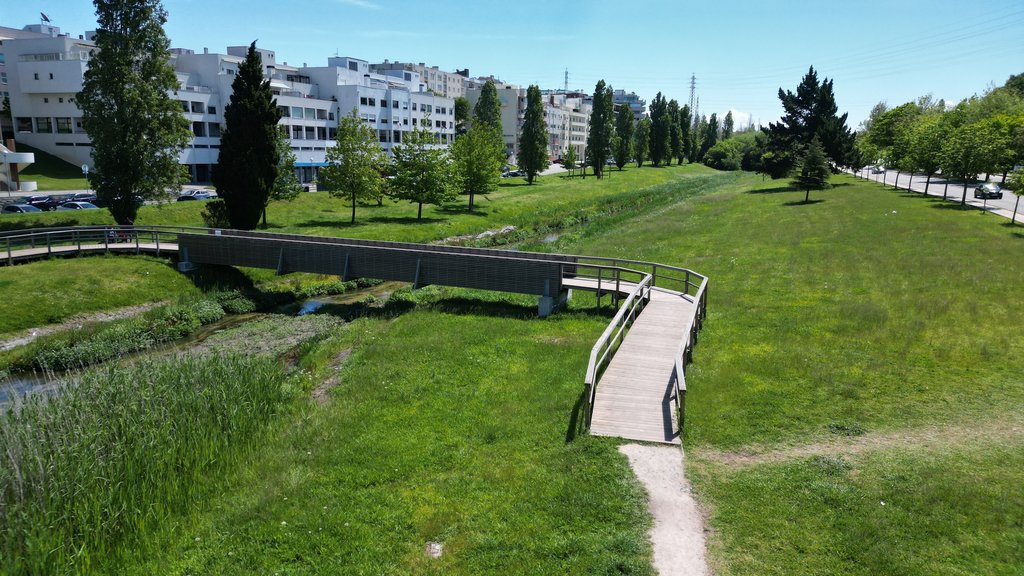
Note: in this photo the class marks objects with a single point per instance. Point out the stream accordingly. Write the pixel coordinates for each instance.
(20, 384)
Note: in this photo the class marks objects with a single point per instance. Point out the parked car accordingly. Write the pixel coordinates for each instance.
(19, 209)
(197, 195)
(78, 206)
(43, 202)
(89, 197)
(988, 191)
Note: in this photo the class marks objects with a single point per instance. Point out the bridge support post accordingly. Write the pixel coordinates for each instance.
(280, 262)
(184, 264)
(548, 304)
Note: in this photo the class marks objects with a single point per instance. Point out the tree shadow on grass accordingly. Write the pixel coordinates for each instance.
(404, 220)
(577, 418)
(803, 202)
(336, 224)
(951, 205)
(773, 190)
(462, 209)
(474, 306)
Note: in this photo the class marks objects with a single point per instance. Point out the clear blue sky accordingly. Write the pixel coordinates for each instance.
(742, 52)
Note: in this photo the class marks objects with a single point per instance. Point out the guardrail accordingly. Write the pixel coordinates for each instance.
(89, 239)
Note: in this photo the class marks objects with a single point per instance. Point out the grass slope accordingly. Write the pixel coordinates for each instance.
(868, 311)
(50, 173)
(459, 440)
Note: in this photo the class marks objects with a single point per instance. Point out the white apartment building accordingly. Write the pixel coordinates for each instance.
(636, 105)
(567, 115)
(448, 84)
(48, 71)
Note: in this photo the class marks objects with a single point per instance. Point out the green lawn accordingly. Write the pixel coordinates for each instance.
(51, 173)
(868, 312)
(862, 318)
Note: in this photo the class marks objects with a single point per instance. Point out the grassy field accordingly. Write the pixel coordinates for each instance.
(860, 349)
(854, 406)
(51, 173)
(549, 203)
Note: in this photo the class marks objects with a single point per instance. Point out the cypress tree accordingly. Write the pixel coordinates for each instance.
(674, 132)
(599, 140)
(248, 163)
(685, 140)
(624, 132)
(533, 139)
(642, 141)
(488, 108)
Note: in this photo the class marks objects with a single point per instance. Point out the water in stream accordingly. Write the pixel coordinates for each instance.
(16, 385)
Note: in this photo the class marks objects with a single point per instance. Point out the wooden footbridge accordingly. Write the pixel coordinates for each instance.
(635, 385)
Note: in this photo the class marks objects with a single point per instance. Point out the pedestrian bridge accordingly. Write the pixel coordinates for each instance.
(635, 382)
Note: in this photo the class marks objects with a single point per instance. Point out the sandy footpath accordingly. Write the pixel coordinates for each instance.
(678, 532)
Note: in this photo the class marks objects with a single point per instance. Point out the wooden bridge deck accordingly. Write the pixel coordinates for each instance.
(636, 397)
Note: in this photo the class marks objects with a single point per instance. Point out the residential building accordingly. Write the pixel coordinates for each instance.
(566, 114)
(636, 105)
(448, 84)
(49, 72)
(31, 31)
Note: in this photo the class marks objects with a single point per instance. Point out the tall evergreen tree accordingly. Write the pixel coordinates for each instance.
(624, 132)
(710, 136)
(674, 131)
(808, 113)
(814, 171)
(462, 114)
(424, 172)
(137, 130)
(685, 138)
(355, 162)
(642, 141)
(728, 126)
(488, 107)
(247, 166)
(661, 139)
(599, 140)
(533, 138)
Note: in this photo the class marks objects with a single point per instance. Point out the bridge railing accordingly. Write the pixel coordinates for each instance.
(71, 240)
(613, 335)
(684, 355)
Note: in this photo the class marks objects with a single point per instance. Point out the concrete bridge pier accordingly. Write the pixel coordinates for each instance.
(548, 304)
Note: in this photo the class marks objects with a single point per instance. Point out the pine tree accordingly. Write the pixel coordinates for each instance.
(599, 140)
(674, 131)
(355, 162)
(533, 138)
(710, 136)
(808, 113)
(624, 133)
(247, 166)
(661, 139)
(137, 130)
(728, 126)
(814, 171)
(642, 141)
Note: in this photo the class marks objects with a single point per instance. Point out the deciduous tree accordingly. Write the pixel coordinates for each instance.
(642, 141)
(533, 138)
(624, 136)
(355, 162)
(137, 129)
(247, 166)
(569, 161)
(424, 172)
(599, 139)
(478, 159)
(286, 186)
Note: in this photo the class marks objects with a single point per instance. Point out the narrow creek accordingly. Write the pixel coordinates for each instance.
(19, 384)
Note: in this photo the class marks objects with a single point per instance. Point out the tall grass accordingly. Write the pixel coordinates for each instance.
(88, 470)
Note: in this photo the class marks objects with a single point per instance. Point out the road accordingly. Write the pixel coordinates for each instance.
(954, 192)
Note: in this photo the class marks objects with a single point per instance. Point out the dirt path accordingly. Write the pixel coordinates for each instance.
(678, 532)
(28, 336)
(995, 428)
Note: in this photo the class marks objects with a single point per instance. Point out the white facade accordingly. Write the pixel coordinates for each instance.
(448, 84)
(45, 73)
(567, 116)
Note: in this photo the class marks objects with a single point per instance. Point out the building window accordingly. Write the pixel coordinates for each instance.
(35, 75)
(354, 66)
(51, 75)
(310, 133)
(285, 111)
(394, 103)
(79, 128)
(184, 106)
(413, 121)
(321, 133)
(214, 130)
(63, 125)
(296, 132)
(405, 121)
(372, 101)
(383, 135)
(296, 112)
(362, 100)
(3, 77)
(44, 125)
(310, 113)
(397, 135)
(199, 128)
(332, 133)
(211, 109)
(46, 100)
(413, 106)
(383, 103)
(197, 107)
